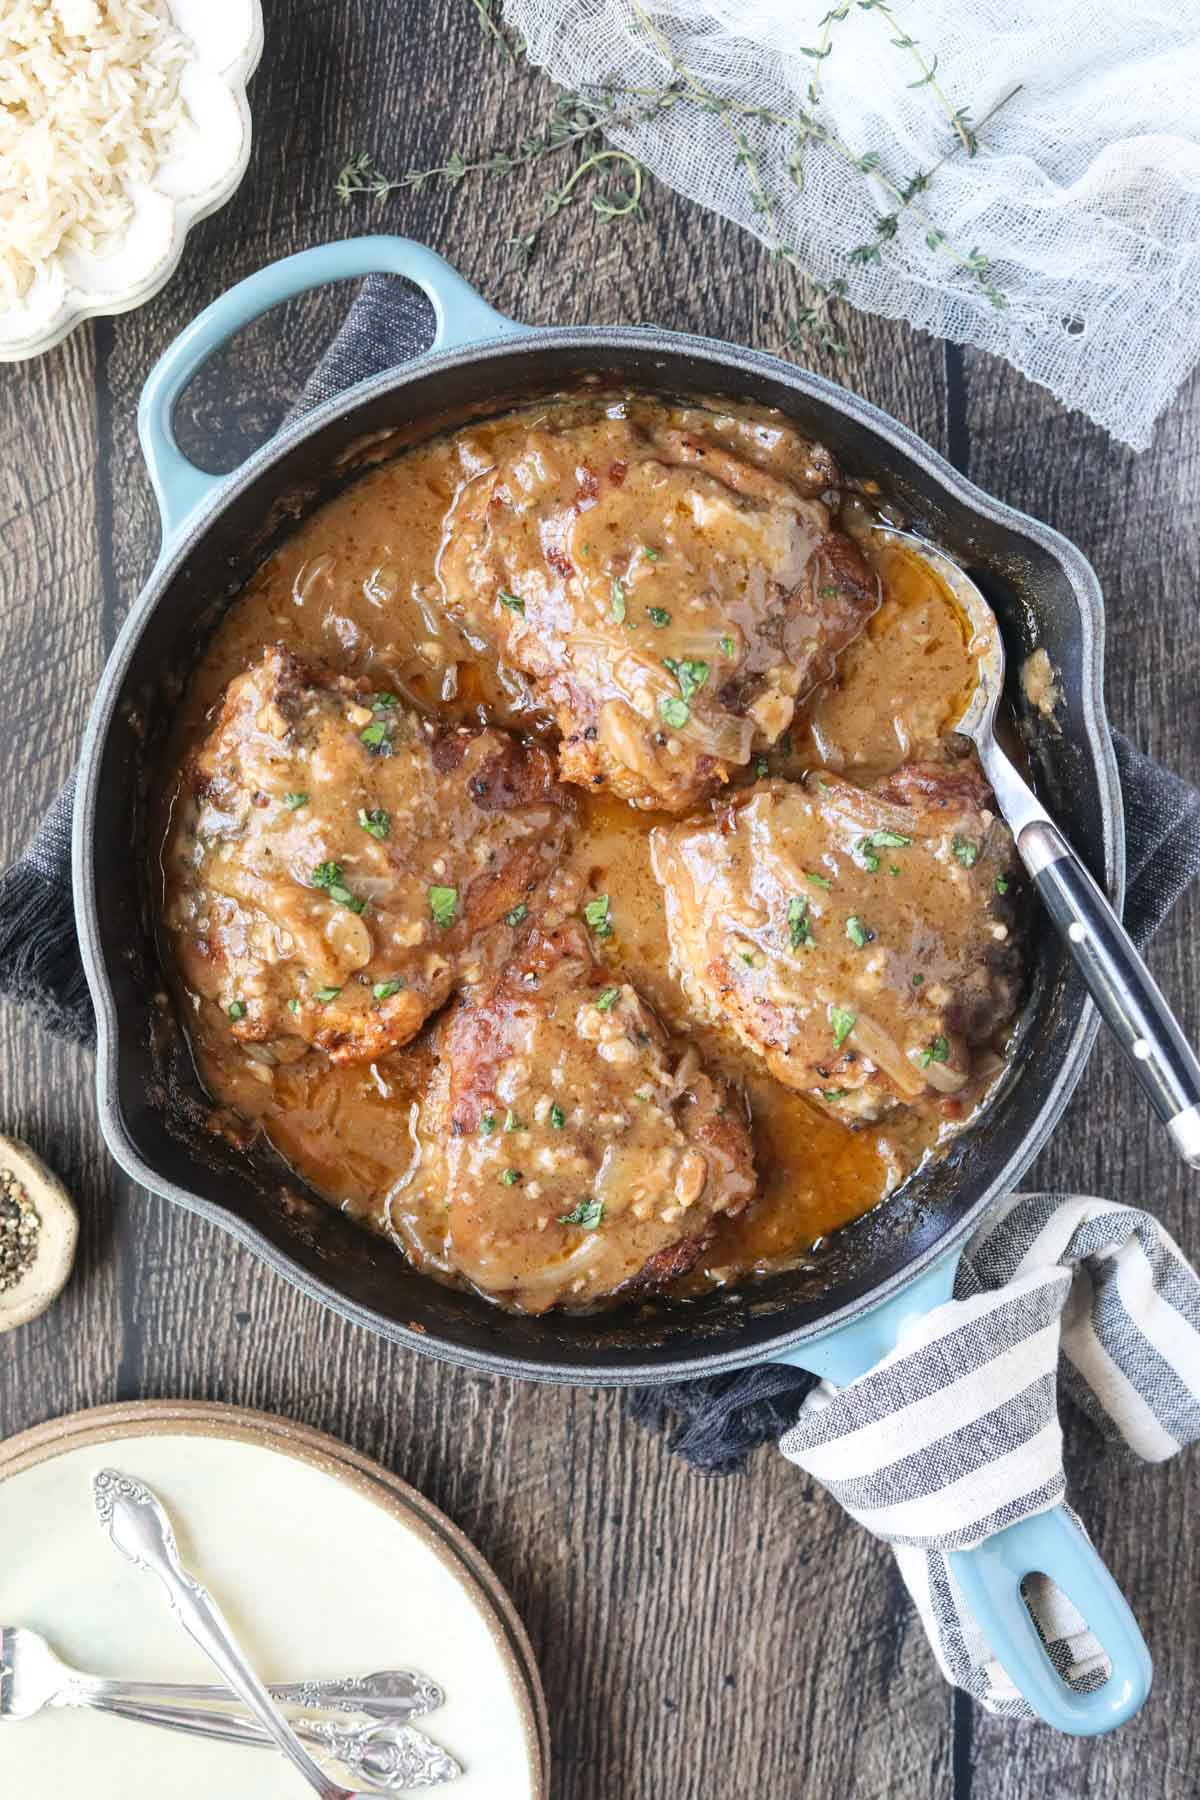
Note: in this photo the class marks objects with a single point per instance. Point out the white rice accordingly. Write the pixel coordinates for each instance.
(89, 97)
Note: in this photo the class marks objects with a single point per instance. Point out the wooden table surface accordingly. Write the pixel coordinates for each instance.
(723, 1638)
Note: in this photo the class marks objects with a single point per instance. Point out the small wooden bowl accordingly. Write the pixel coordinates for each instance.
(44, 1281)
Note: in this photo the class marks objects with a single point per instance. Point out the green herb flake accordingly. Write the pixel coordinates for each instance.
(510, 1177)
(376, 822)
(889, 840)
(606, 999)
(513, 602)
(587, 1213)
(294, 802)
(328, 875)
(762, 767)
(512, 1123)
(859, 936)
(817, 880)
(843, 1024)
(834, 1093)
(691, 674)
(618, 600)
(326, 994)
(966, 852)
(658, 615)
(674, 712)
(918, 981)
(892, 869)
(1002, 884)
(383, 990)
(746, 958)
(518, 915)
(236, 1009)
(293, 1005)
(443, 904)
(558, 1117)
(596, 914)
(487, 1124)
(799, 924)
(377, 738)
(383, 701)
(870, 861)
(728, 646)
(937, 1051)
(649, 554)
(829, 592)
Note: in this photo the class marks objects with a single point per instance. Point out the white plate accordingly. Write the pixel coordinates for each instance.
(204, 170)
(323, 1566)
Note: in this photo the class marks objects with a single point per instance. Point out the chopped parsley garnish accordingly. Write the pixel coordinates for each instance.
(762, 767)
(510, 1177)
(236, 1009)
(377, 737)
(376, 822)
(596, 914)
(511, 1121)
(383, 990)
(857, 932)
(870, 861)
(649, 554)
(829, 592)
(587, 1213)
(843, 1024)
(889, 840)
(918, 981)
(513, 602)
(966, 852)
(892, 869)
(293, 1005)
(328, 875)
(658, 615)
(834, 1093)
(1002, 884)
(326, 994)
(294, 801)
(487, 1124)
(383, 701)
(728, 646)
(937, 1051)
(618, 600)
(558, 1117)
(746, 958)
(443, 904)
(799, 924)
(817, 880)
(690, 674)
(606, 999)
(518, 915)
(675, 712)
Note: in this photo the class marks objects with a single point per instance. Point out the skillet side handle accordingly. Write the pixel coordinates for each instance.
(989, 1578)
(462, 317)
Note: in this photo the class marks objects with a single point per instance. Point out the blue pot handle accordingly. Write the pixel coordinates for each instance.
(462, 317)
(990, 1576)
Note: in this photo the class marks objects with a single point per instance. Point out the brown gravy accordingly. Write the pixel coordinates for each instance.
(354, 590)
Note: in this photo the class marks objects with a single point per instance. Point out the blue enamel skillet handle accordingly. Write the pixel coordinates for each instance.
(990, 1576)
(462, 317)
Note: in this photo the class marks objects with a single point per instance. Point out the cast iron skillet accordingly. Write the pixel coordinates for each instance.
(216, 530)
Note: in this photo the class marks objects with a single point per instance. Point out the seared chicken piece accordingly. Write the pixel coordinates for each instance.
(862, 943)
(579, 1157)
(667, 599)
(341, 865)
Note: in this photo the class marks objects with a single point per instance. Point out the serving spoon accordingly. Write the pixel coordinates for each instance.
(1129, 999)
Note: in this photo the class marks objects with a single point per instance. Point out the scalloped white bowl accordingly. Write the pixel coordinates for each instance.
(207, 162)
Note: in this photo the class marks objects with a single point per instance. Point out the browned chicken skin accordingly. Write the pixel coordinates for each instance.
(579, 1156)
(339, 865)
(668, 599)
(862, 942)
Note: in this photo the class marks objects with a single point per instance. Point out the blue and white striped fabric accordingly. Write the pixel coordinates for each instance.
(956, 1434)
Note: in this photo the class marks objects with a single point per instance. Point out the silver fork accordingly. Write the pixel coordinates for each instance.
(33, 1676)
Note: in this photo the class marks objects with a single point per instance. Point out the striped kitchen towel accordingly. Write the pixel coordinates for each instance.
(956, 1435)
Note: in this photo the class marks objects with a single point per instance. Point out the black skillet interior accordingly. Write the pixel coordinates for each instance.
(157, 1098)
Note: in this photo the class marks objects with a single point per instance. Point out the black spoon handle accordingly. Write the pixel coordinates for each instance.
(1130, 1000)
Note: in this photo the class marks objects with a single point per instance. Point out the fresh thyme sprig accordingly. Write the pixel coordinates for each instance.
(584, 123)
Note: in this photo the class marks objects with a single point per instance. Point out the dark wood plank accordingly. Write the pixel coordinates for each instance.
(715, 1637)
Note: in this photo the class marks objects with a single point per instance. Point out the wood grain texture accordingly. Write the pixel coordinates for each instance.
(724, 1639)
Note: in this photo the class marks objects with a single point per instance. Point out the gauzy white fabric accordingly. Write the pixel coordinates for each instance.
(956, 1434)
(1084, 195)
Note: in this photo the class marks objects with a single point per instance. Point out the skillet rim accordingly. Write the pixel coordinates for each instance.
(173, 554)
